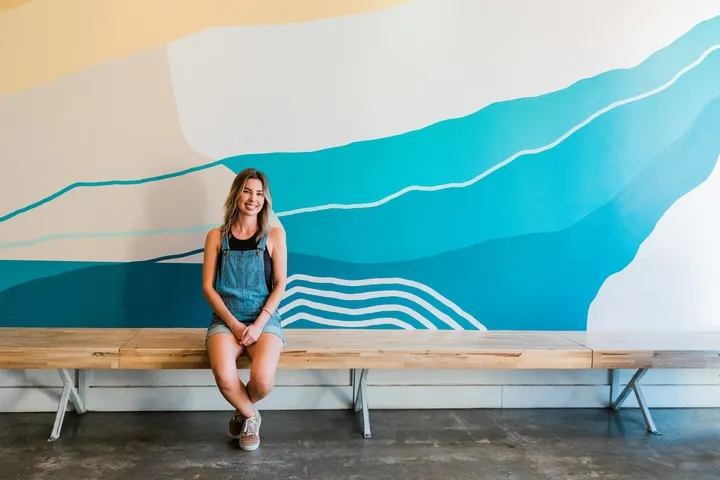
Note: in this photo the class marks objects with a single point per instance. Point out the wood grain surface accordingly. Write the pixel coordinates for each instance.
(319, 349)
(62, 347)
(651, 349)
(184, 348)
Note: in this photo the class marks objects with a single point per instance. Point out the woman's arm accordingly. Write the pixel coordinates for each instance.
(212, 249)
(279, 262)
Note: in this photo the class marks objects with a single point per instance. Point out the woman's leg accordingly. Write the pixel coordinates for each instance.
(223, 351)
(265, 354)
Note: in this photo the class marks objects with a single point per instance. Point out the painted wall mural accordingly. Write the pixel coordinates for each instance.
(436, 164)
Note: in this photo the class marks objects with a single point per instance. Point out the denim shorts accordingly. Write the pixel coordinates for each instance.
(271, 326)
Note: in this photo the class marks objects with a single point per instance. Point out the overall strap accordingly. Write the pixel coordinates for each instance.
(263, 241)
(225, 243)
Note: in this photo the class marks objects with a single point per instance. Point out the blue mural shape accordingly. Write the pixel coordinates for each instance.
(546, 281)
(577, 181)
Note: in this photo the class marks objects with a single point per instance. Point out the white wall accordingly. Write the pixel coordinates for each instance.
(121, 390)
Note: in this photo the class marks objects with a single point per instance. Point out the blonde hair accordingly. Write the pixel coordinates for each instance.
(231, 205)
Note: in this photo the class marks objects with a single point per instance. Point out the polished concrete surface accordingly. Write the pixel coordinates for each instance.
(428, 444)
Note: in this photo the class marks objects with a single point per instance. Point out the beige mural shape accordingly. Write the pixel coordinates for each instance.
(45, 39)
(59, 229)
(116, 120)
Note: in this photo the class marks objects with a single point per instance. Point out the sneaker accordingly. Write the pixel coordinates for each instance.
(250, 436)
(235, 426)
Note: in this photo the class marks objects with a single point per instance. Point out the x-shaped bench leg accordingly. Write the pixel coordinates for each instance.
(633, 385)
(360, 398)
(69, 392)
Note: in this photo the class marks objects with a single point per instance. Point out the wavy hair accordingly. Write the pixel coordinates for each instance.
(231, 202)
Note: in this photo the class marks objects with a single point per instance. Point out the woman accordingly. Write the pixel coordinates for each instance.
(244, 276)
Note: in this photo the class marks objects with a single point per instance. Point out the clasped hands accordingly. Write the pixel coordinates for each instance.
(247, 335)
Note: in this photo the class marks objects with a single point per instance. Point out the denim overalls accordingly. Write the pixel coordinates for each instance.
(240, 282)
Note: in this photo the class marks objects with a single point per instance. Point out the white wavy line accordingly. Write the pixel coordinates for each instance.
(359, 311)
(422, 188)
(375, 294)
(507, 161)
(389, 281)
(345, 323)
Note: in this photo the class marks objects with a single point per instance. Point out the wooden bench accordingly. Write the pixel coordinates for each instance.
(63, 349)
(359, 351)
(642, 351)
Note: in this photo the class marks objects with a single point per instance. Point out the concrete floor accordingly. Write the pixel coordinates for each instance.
(432, 444)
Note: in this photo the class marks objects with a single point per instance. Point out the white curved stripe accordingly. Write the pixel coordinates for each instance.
(375, 294)
(239, 90)
(408, 189)
(389, 281)
(509, 160)
(358, 311)
(345, 323)
(673, 281)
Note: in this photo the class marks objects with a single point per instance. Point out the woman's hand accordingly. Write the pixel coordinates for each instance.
(238, 330)
(251, 335)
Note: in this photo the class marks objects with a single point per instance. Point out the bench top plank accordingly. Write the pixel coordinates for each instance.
(651, 349)
(163, 348)
(317, 349)
(149, 348)
(62, 347)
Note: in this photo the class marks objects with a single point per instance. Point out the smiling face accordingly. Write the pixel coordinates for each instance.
(252, 197)
(249, 196)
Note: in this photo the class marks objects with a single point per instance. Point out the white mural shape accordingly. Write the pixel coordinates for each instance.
(673, 284)
(307, 86)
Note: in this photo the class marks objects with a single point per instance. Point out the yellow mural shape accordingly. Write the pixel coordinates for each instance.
(8, 4)
(45, 39)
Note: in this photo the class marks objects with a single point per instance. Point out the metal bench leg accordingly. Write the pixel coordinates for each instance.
(69, 392)
(633, 385)
(360, 399)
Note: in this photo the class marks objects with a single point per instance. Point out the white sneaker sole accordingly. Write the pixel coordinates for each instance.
(250, 448)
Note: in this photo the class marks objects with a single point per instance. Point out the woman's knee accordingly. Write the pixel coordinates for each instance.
(226, 379)
(265, 355)
(263, 381)
(222, 354)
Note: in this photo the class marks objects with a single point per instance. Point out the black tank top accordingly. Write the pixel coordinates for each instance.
(252, 244)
